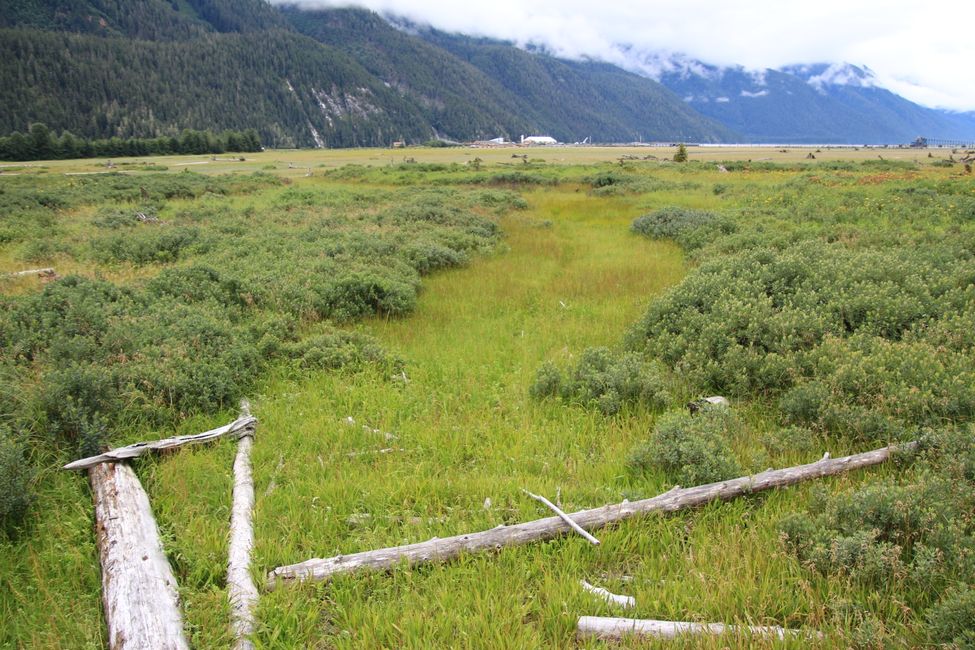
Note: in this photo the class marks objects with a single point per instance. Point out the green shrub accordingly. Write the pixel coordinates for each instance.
(606, 381)
(692, 449)
(692, 229)
(16, 475)
(952, 620)
(156, 244)
(916, 532)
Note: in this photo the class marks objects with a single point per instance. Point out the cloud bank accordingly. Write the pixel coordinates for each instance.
(916, 49)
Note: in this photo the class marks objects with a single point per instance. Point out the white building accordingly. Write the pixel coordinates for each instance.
(538, 139)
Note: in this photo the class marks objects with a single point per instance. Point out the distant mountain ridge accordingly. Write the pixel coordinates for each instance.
(348, 77)
(815, 103)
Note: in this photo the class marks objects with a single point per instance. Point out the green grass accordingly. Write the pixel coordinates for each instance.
(463, 430)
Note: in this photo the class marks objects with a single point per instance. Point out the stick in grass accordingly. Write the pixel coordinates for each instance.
(625, 602)
(554, 508)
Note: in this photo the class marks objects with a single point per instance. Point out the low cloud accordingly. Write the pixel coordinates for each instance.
(900, 40)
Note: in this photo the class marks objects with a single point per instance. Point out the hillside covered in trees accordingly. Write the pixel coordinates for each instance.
(338, 78)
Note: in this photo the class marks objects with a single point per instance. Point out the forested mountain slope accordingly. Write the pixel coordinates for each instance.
(103, 68)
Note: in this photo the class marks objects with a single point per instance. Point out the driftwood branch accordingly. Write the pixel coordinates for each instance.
(564, 517)
(239, 427)
(44, 273)
(613, 599)
(240, 586)
(550, 527)
(598, 627)
(138, 587)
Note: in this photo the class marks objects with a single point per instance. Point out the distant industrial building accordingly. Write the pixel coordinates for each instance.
(538, 139)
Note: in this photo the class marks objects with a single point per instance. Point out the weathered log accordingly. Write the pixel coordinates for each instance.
(239, 427)
(240, 586)
(138, 587)
(550, 527)
(45, 272)
(625, 602)
(598, 627)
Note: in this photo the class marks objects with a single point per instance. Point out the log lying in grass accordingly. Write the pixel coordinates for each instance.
(550, 527)
(598, 627)
(239, 427)
(42, 273)
(138, 587)
(240, 586)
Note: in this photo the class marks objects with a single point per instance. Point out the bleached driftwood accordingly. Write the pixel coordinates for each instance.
(613, 599)
(138, 587)
(550, 527)
(557, 510)
(240, 586)
(240, 427)
(45, 272)
(598, 627)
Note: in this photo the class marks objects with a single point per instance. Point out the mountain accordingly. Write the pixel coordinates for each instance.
(348, 77)
(103, 68)
(820, 103)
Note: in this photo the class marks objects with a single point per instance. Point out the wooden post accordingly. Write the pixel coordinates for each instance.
(448, 548)
(138, 587)
(240, 586)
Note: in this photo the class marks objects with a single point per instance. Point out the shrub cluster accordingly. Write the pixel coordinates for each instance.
(692, 449)
(916, 534)
(604, 380)
(187, 342)
(15, 483)
(692, 229)
(862, 340)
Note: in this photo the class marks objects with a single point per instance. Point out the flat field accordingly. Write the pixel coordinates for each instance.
(388, 312)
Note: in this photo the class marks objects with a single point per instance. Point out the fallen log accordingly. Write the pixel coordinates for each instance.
(240, 427)
(45, 272)
(138, 587)
(677, 498)
(241, 590)
(598, 627)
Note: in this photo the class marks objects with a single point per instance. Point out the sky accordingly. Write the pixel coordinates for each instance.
(917, 48)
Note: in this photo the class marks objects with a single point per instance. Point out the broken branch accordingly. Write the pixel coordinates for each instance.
(554, 508)
(242, 426)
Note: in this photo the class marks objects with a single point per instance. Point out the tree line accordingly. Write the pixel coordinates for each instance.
(41, 143)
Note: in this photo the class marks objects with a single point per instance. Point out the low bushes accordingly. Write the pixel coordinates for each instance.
(915, 535)
(15, 478)
(692, 229)
(692, 449)
(605, 381)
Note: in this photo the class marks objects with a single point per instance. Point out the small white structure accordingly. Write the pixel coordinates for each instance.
(538, 139)
(500, 140)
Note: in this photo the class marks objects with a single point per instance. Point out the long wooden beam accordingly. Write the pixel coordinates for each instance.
(677, 498)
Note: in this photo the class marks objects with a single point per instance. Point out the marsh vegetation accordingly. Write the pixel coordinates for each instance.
(420, 341)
